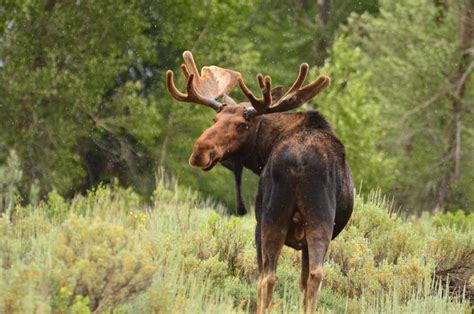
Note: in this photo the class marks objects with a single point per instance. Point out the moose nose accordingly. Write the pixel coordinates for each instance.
(202, 156)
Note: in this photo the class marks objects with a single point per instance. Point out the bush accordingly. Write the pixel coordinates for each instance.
(377, 252)
(459, 220)
(107, 251)
(453, 253)
(101, 261)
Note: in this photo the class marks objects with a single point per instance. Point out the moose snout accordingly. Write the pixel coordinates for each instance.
(203, 156)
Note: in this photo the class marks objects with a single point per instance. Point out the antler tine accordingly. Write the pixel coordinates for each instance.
(185, 70)
(172, 88)
(260, 104)
(190, 64)
(261, 83)
(315, 87)
(248, 93)
(297, 96)
(267, 91)
(300, 79)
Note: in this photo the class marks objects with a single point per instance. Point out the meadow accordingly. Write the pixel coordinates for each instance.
(180, 253)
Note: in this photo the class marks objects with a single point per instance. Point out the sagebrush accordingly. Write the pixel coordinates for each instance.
(107, 250)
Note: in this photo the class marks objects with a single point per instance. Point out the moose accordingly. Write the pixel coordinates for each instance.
(305, 194)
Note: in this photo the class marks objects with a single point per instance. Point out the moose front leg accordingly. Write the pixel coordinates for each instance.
(236, 167)
(241, 209)
(304, 270)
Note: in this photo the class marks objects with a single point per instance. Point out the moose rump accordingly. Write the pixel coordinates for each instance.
(296, 206)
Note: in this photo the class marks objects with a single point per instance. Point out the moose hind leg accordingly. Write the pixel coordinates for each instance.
(318, 237)
(276, 210)
(258, 243)
(317, 202)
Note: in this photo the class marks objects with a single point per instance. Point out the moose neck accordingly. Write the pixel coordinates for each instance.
(266, 132)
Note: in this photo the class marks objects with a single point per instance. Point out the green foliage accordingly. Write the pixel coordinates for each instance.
(53, 259)
(82, 89)
(355, 114)
(454, 256)
(101, 261)
(412, 50)
(54, 85)
(106, 251)
(361, 261)
(458, 220)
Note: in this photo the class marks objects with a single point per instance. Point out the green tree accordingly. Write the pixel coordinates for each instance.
(58, 90)
(422, 81)
(350, 105)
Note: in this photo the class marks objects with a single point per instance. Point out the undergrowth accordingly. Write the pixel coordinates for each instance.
(107, 251)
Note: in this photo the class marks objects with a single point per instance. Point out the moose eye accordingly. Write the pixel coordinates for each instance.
(243, 126)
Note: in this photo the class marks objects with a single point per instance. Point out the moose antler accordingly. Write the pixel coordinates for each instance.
(293, 98)
(213, 82)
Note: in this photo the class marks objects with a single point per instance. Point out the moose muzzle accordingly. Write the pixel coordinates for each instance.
(204, 156)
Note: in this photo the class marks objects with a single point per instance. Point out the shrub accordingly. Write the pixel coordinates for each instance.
(377, 252)
(100, 261)
(453, 253)
(459, 220)
(107, 251)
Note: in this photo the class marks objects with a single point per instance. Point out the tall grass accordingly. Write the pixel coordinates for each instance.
(108, 251)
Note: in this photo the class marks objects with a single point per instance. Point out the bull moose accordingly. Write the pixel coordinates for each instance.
(305, 192)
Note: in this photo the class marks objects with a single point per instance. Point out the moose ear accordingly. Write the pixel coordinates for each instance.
(277, 93)
(226, 99)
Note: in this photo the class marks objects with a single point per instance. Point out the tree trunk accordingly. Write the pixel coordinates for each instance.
(459, 79)
(324, 11)
(323, 15)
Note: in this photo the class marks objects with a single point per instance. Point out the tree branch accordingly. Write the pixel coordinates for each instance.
(426, 104)
(462, 80)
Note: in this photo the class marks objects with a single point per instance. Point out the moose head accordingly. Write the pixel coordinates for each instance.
(234, 122)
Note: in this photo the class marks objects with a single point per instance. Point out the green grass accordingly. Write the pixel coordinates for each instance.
(108, 252)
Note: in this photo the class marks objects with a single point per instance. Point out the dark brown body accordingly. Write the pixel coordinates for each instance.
(235, 164)
(301, 151)
(305, 195)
